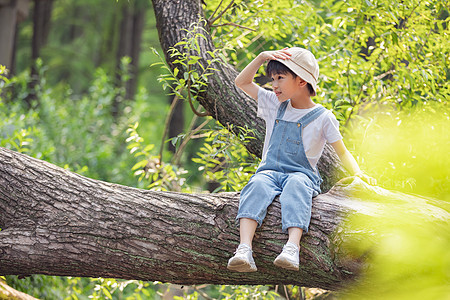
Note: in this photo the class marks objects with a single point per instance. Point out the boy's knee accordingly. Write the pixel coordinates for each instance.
(300, 179)
(260, 182)
(261, 178)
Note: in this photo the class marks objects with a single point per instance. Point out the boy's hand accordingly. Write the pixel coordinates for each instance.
(244, 80)
(278, 54)
(366, 178)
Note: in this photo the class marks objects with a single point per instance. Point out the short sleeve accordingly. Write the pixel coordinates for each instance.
(331, 131)
(267, 103)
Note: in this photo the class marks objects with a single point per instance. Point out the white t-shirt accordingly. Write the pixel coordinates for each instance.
(323, 129)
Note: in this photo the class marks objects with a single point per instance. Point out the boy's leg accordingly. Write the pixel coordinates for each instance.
(255, 198)
(295, 235)
(242, 261)
(289, 258)
(247, 228)
(257, 195)
(296, 201)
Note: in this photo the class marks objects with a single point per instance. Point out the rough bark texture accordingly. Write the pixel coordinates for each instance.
(56, 222)
(223, 100)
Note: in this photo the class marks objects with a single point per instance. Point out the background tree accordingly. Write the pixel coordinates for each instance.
(11, 13)
(42, 12)
(129, 45)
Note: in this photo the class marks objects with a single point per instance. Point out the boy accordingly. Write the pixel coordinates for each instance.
(296, 132)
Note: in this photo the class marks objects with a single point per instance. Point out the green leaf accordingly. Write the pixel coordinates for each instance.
(149, 147)
(106, 292)
(140, 165)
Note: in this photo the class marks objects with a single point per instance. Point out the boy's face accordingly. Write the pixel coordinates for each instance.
(285, 86)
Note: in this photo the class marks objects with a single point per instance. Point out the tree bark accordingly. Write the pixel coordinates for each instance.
(55, 222)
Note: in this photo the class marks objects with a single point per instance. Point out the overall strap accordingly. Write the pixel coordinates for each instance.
(282, 109)
(311, 116)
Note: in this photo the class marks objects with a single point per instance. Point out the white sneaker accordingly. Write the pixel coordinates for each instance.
(288, 258)
(242, 261)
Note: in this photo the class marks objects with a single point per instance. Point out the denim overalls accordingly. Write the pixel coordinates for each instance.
(285, 171)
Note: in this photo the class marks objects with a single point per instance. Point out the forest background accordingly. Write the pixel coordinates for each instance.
(89, 97)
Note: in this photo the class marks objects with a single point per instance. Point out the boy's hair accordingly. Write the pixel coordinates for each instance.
(275, 67)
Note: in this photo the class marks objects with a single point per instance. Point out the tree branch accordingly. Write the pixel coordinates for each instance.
(212, 20)
(56, 222)
(232, 24)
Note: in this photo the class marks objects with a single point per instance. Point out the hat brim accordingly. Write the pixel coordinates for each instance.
(305, 75)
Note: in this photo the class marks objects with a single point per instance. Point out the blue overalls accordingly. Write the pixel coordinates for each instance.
(285, 171)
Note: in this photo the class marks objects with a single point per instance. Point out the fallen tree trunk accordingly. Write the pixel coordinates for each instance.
(55, 222)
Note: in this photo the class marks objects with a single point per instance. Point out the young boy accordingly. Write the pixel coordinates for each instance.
(296, 132)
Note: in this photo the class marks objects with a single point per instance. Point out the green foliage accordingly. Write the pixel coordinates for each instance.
(223, 158)
(75, 131)
(380, 54)
(406, 150)
(372, 54)
(75, 288)
(249, 27)
(157, 174)
(101, 288)
(41, 287)
(248, 292)
(16, 125)
(83, 37)
(408, 255)
(81, 34)
(192, 72)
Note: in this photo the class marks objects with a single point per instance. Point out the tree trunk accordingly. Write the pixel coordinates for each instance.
(8, 17)
(130, 37)
(12, 12)
(41, 27)
(140, 9)
(55, 222)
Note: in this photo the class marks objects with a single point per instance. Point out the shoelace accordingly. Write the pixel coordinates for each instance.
(291, 250)
(242, 250)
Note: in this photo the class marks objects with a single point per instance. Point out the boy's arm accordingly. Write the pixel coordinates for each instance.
(244, 80)
(350, 163)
